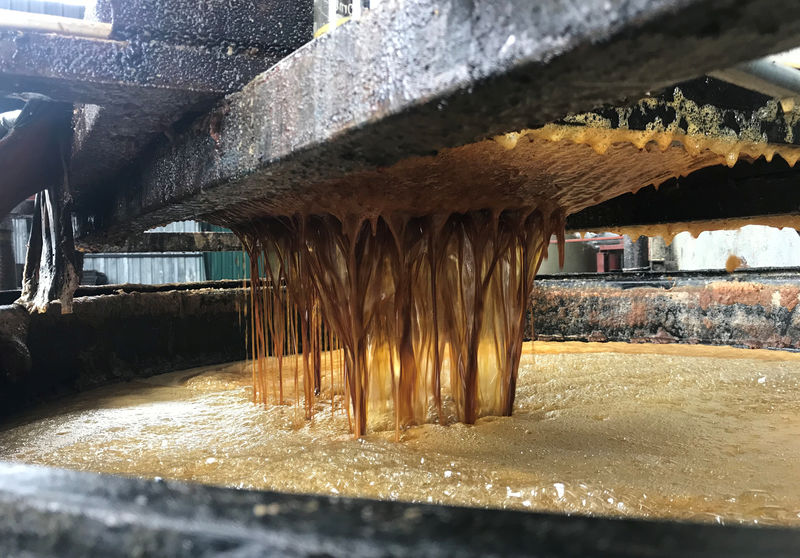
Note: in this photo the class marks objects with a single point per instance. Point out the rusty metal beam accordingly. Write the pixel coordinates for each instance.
(170, 242)
(710, 307)
(413, 78)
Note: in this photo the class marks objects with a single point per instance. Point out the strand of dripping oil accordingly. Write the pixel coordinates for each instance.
(411, 311)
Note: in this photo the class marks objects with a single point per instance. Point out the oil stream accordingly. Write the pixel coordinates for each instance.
(682, 432)
(406, 299)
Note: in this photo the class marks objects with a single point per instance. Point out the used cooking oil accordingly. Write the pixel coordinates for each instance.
(658, 431)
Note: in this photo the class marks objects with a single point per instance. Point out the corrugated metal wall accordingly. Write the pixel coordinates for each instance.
(151, 268)
(179, 227)
(225, 265)
(147, 268)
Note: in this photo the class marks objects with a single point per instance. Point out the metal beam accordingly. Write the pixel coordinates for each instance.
(757, 192)
(704, 106)
(272, 25)
(136, 90)
(170, 242)
(413, 78)
(106, 139)
(102, 72)
(692, 307)
(52, 512)
(765, 76)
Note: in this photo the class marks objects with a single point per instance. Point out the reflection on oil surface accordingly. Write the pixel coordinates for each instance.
(685, 432)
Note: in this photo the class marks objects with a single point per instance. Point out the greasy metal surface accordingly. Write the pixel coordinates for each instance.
(747, 190)
(106, 139)
(55, 512)
(104, 72)
(726, 110)
(8, 297)
(144, 87)
(116, 337)
(412, 78)
(173, 242)
(249, 24)
(99, 10)
(7, 104)
(754, 309)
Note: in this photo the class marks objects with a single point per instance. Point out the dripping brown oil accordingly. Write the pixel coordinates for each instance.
(401, 301)
(421, 308)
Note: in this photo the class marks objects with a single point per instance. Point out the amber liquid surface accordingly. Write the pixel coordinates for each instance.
(681, 432)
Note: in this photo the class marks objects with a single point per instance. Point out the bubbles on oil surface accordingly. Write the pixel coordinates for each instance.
(709, 434)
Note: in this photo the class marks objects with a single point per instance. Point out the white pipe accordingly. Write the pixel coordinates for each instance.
(763, 76)
(333, 17)
(23, 21)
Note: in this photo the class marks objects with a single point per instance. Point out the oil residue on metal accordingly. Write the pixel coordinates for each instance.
(733, 263)
(683, 432)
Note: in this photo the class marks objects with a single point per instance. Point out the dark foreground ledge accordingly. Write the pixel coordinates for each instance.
(52, 512)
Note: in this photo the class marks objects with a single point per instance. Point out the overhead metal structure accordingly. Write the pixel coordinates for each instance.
(433, 76)
(152, 144)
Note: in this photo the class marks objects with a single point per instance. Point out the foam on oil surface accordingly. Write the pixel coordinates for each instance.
(687, 432)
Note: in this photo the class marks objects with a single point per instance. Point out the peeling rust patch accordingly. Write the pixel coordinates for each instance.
(726, 293)
(790, 296)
